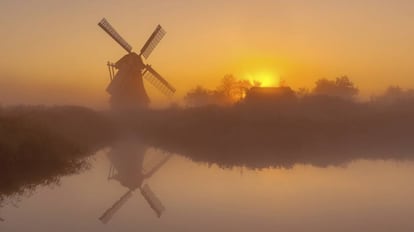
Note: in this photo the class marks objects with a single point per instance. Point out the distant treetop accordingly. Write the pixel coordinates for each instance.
(340, 87)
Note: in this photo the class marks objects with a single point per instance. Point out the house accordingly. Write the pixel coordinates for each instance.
(270, 95)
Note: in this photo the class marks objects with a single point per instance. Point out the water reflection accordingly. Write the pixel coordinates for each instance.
(365, 196)
(131, 166)
(259, 153)
(133, 163)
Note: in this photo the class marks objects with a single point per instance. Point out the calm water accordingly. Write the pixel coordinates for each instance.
(134, 188)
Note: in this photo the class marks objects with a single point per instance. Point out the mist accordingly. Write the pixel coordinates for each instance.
(206, 116)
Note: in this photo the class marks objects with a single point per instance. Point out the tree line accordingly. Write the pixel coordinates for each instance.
(232, 90)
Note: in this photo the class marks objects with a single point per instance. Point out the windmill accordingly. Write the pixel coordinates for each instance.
(126, 87)
(129, 168)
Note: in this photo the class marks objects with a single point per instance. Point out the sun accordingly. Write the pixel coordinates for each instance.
(266, 78)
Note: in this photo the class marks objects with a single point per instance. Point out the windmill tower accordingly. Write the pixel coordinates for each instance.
(126, 75)
(129, 168)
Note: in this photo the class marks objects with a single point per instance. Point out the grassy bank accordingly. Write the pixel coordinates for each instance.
(40, 144)
(314, 130)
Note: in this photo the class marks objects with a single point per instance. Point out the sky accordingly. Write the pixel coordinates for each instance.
(53, 52)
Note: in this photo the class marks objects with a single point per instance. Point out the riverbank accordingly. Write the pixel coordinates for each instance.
(319, 131)
(39, 144)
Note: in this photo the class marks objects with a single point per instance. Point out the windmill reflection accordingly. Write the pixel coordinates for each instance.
(131, 166)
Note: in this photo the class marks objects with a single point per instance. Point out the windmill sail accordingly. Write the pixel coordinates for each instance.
(158, 81)
(104, 24)
(152, 200)
(153, 41)
(109, 213)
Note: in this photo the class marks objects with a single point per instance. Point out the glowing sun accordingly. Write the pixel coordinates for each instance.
(266, 79)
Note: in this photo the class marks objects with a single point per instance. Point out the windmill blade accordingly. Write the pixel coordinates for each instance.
(152, 200)
(158, 81)
(109, 213)
(104, 24)
(153, 41)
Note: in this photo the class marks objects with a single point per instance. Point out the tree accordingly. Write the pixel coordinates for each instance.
(340, 87)
(198, 96)
(394, 94)
(229, 91)
(233, 89)
(302, 92)
(228, 87)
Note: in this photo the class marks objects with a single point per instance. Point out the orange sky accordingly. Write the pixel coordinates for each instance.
(53, 51)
